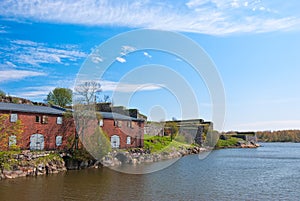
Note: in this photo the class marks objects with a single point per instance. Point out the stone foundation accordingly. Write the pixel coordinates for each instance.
(32, 164)
(139, 156)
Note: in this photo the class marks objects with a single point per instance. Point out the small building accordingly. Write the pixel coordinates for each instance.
(44, 127)
(123, 131)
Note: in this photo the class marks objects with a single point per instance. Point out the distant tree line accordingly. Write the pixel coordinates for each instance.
(279, 136)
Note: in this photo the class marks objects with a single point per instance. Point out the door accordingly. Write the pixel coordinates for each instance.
(115, 141)
(36, 142)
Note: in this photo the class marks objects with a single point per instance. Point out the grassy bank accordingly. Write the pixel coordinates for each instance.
(158, 144)
(231, 142)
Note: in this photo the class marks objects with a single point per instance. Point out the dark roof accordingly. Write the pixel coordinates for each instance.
(29, 108)
(113, 115)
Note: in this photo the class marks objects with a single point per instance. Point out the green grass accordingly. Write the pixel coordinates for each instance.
(158, 144)
(229, 142)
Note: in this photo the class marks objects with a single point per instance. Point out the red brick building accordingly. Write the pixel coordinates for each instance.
(123, 131)
(45, 128)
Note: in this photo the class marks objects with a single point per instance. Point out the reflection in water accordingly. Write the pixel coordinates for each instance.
(267, 173)
(144, 168)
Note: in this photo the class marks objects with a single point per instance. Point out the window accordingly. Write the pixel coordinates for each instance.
(37, 119)
(115, 141)
(13, 117)
(101, 122)
(58, 141)
(59, 120)
(12, 140)
(129, 124)
(117, 124)
(44, 119)
(128, 140)
(37, 142)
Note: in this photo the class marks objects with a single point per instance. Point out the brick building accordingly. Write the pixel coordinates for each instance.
(44, 127)
(123, 131)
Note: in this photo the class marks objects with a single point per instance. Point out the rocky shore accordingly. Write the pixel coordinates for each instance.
(138, 156)
(240, 145)
(43, 163)
(31, 164)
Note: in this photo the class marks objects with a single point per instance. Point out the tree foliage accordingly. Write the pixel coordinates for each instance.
(172, 128)
(2, 93)
(8, 129)
(279, 136)
(60, 96)
(87, 92)
(98, 144)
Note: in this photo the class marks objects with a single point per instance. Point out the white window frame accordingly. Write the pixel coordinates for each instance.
(44, 119)
(13, 117)
(128, 140)
(58, 138)
(129, 124)
(12, 140)
(101, 122)
(59, 120)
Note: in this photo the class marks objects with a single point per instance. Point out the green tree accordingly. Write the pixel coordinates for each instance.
(2, 93)
(87, 92)
(172, 128)
(98, 144)
(60, 96)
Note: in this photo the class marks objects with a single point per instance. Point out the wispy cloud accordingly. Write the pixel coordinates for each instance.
(127, 87)
(215, 17)
(127, 49)
(33, 53)
(146, 54)
(121, 59)
(12, 75)
(37, 93)
(3, 29)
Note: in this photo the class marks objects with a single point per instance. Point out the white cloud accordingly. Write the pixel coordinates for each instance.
(217, 17)
(10, 64)
(235, 4)
(26, 42)
(127, 49)
(3, 29)
(39, 91)
(33, 53)
(121, 60)
(12, 75)
(96, 59)
(146, 54)
(127, 87)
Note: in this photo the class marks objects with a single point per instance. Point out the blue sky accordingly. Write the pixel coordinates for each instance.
(255, 46)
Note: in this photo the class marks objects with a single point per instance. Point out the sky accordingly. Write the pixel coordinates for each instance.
(254, 45)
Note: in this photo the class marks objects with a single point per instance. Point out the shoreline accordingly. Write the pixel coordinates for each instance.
(30, 164)
(137, 157)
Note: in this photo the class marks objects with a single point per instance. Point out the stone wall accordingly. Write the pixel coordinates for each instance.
(31, 164)
(138, 156)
